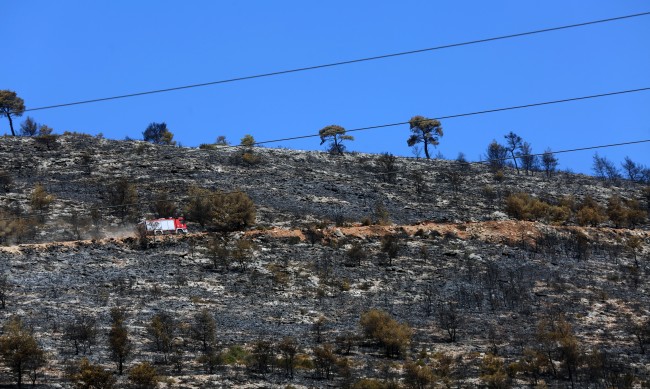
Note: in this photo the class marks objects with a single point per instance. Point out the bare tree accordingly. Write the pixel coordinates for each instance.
(513, 145)
(529, 162)
(82, 332)
(549, 162)
(119, 343)
(449, 319)
(289, 348)
(204, 329)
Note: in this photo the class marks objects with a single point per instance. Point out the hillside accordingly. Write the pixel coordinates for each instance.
(488, 299)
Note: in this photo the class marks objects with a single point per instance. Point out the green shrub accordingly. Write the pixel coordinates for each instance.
(234, 355)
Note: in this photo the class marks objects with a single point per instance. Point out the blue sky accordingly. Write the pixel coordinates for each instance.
(66, 51)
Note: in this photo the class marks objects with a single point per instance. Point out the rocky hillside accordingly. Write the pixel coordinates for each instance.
(461, 293)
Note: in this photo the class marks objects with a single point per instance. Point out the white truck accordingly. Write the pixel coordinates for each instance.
(165, 226)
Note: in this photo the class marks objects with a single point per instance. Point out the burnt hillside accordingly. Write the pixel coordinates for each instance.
(461, 293)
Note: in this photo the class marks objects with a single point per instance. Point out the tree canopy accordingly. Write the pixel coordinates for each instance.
(158, 133)
(335, 135)
(29, 127)
(20, 350)
(426, 131)
(11, 105)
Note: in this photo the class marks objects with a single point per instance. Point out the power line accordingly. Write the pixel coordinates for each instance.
(569, 150)
(572, 150)
(472, 113)
(340, 63)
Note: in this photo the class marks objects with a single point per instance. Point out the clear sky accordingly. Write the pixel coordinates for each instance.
(64, 51)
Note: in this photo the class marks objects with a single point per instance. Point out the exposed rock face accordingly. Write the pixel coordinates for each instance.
(457, 254)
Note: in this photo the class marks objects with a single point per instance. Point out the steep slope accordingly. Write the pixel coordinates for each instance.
(446, 261)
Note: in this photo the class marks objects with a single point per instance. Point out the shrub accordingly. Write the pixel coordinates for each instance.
(389, 333)
(221, 211)
(324, 361)
(387, 164)
(590, 213)
(626, 213)
(163, 206)
(493, 373)
(15, 229)
(88, 375)
(143, 376)
(45, 139)
(40, 200)
(234, 355)
(525, 207)
(356, 254)
(122, 196)
(418, 375)
(370, 383)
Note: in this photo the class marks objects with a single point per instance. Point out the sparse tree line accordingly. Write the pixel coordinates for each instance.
(425, 133)
(519, 154)
(553, 352)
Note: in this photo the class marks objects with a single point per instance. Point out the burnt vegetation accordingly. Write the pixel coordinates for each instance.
(313, 269)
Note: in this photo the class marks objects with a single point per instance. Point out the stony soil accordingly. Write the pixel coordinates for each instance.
(456, 245)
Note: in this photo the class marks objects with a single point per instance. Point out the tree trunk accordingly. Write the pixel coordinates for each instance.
(11, 125)
(19, 375)
(514, 159)
(426, 149)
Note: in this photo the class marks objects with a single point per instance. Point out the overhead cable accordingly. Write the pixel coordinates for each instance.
(341, 63)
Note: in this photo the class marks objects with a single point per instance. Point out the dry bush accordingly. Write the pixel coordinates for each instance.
(87, 375)
(144, 376)
(40, 200)
(16, 229)
(387, 164)
(590, 213)
(625, 213)
(122, 196)
(525, 207)
(163, 206)
(393, 336)
(588, 216)
(221, 211)
(493, 372)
